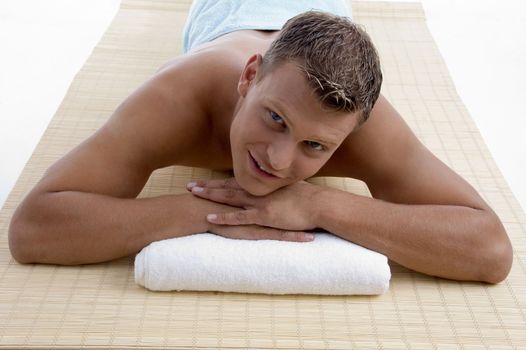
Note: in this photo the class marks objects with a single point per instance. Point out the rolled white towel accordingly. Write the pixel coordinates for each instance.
(328, 265)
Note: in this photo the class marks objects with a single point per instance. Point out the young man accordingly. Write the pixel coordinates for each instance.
(276, 107)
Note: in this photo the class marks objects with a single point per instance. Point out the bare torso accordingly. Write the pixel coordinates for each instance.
(229, 53)
(225, 58)
(183, 115)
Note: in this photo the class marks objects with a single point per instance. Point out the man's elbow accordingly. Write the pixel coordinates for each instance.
(18, 240)
(499, 253)
(23, 233)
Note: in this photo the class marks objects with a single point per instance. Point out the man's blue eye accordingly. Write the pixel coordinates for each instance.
(276, 117)
(314, 145)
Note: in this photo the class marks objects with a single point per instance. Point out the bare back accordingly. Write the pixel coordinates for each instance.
(179, 116)
(182, 116)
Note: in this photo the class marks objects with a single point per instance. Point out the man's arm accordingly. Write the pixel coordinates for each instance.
(422, 214)
(84, 208)
(72, 227)
(447, 241)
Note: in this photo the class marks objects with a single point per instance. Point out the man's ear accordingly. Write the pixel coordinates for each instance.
(248, 76)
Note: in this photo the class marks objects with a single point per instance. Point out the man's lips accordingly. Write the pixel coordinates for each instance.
(259, 169)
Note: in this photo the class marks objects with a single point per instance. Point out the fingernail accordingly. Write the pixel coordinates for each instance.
(211, 217)
(309, 237)
(190, 185)
(197, 189)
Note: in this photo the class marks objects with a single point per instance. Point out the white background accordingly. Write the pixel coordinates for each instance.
(43, 44)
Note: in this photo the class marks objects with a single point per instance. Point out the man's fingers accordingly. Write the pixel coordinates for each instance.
(230, 196)
(252, 217)
(241, 217)
(293, 236)
(258, 232)
(284, 235)
(216, 183)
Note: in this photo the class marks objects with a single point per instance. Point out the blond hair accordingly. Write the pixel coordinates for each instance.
(338, 58)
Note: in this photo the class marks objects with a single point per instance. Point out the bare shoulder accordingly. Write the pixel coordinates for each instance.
(161, 123)
(396, 166)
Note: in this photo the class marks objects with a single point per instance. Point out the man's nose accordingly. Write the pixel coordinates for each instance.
(281, 154)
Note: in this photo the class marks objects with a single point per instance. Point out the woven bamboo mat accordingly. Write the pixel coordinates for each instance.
(100, 306)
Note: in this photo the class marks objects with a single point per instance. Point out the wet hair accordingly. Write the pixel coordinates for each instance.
(337, 56)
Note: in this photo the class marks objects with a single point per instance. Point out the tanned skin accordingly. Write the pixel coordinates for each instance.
(205, 109)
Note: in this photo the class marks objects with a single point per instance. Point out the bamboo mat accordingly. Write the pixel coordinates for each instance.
(100, 306)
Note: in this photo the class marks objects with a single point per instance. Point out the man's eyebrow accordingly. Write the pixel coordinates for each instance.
(282, 111)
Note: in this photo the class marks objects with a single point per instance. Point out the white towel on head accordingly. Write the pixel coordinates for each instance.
(328, 265)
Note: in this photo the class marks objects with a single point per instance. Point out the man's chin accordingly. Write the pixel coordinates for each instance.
(261, 192)
(253, 187)
(256, 189)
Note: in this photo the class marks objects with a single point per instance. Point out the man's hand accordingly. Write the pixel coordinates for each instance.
(256, 232)
(288, 208)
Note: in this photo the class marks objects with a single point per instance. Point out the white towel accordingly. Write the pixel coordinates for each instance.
(328, 265)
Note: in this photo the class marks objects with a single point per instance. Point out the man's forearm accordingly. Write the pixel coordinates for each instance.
(77, 228)
(441, 240)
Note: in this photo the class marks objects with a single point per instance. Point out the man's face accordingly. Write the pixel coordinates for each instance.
(281, 133)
